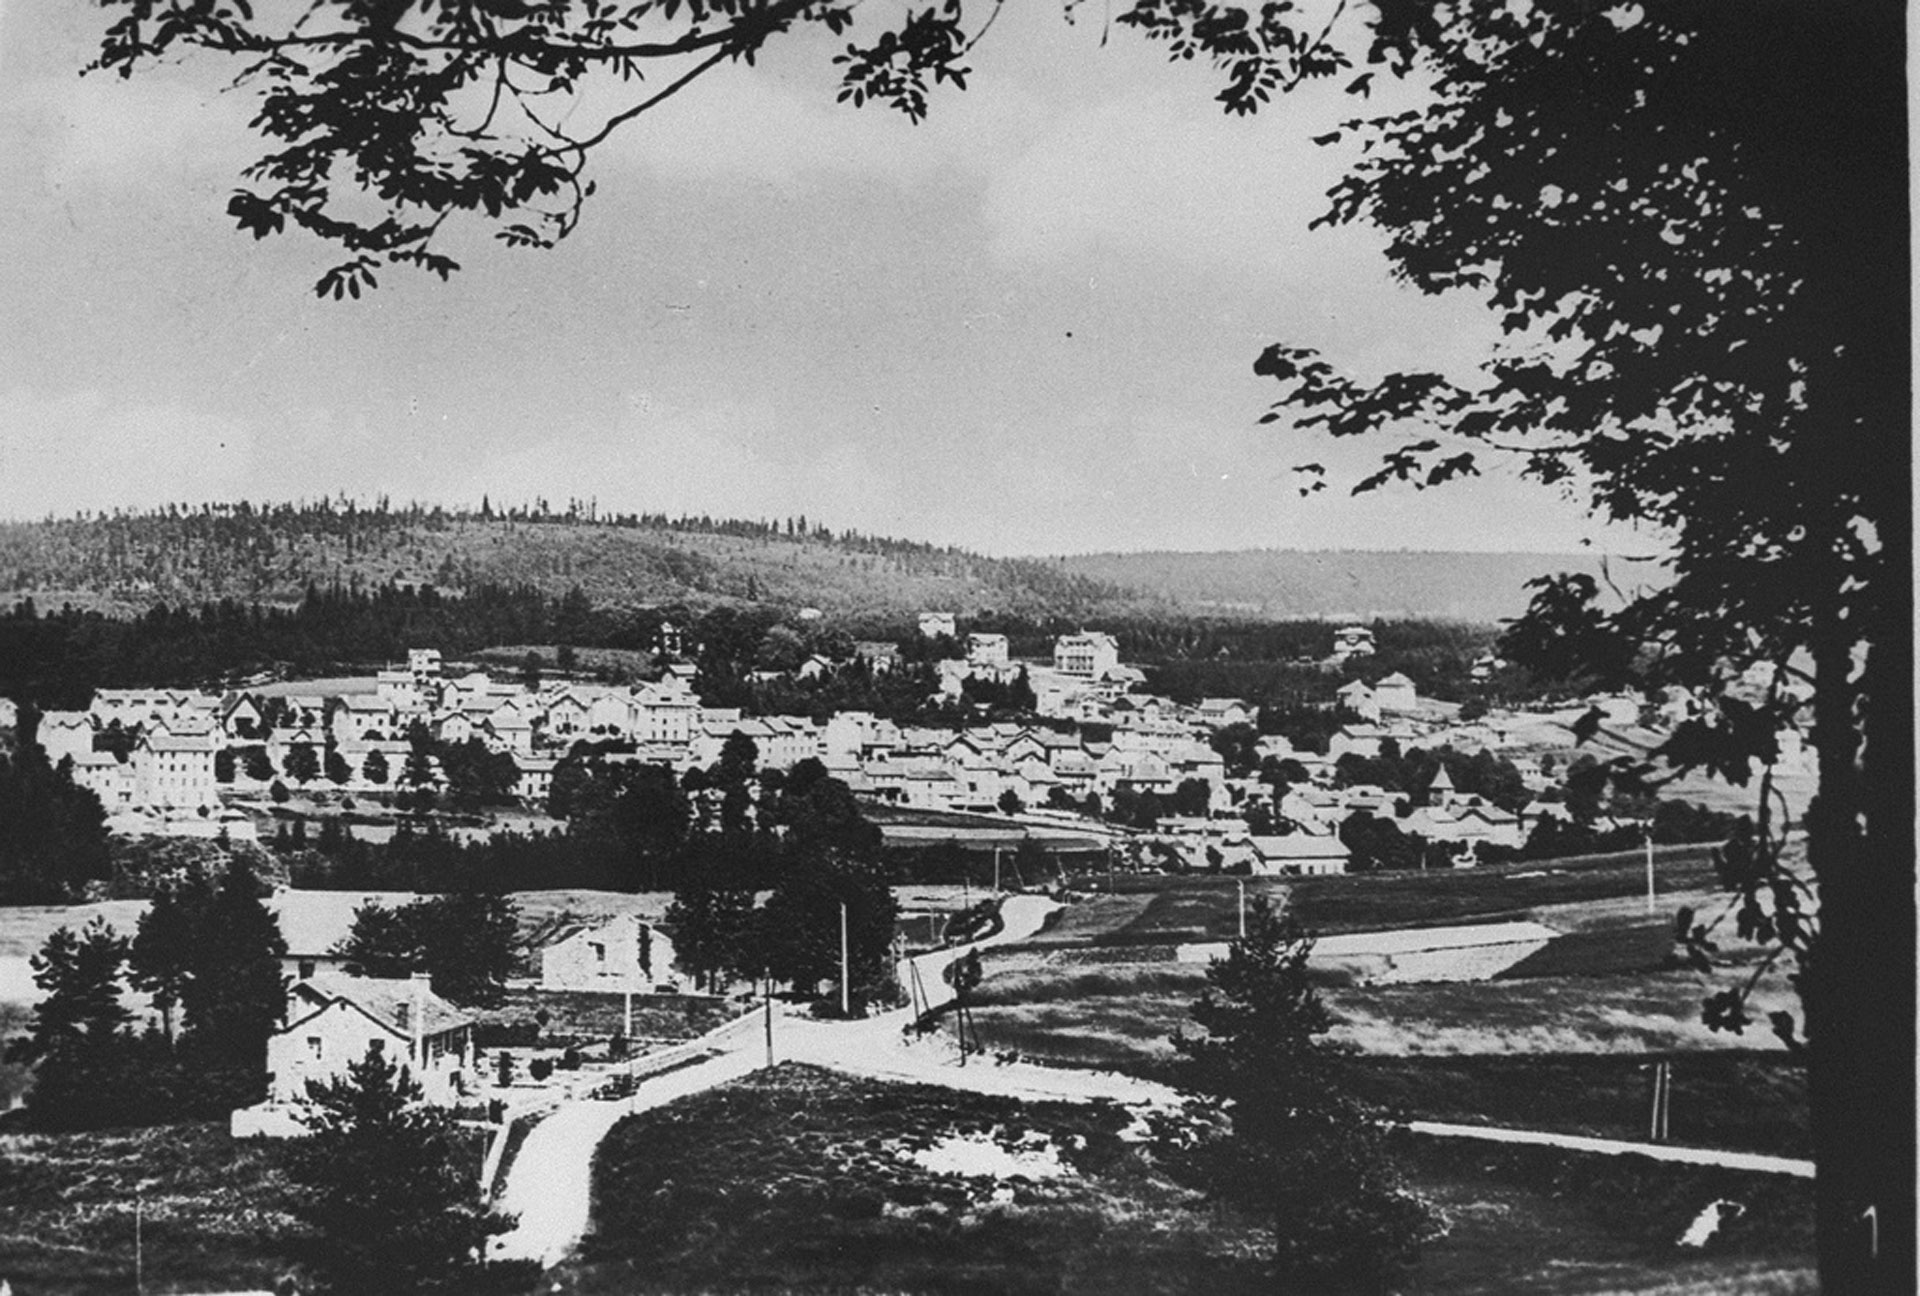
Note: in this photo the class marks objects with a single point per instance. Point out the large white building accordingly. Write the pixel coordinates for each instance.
(1090, 654)
(174, 769)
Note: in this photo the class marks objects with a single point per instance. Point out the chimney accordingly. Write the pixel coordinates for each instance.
(417, 1018)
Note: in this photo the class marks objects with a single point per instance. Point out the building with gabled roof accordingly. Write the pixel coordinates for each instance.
(619, 954)
(65, 733)
(1396, 693)
(174, 770)
(333, 1020)
(1089, 654)
(1299, 854)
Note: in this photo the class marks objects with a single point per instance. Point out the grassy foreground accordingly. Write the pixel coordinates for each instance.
(212, 1210)
(802, 1180)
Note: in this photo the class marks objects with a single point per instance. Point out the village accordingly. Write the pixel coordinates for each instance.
(186, 763)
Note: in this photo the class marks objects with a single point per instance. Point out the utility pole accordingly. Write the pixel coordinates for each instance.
(139, 1243)
(1662, 1101)
(996, 872)
(1242, 883)
(1648, 828)
(627, 1033)
(846, 1009)
(768, 1015)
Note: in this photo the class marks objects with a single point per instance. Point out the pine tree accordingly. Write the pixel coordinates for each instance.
(79, 1044)
(1314, 1160)
(387, 1188)
(234, 995)
(164, 947)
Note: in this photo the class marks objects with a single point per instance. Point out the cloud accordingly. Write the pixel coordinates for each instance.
(783, 128)
(1165, 174)
(83, 450)
(101, 131)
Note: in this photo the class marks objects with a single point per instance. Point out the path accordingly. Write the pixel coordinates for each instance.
(550, 1184)
(1755, 1161)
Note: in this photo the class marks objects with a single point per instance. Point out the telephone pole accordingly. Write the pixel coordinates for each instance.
(846, 1009)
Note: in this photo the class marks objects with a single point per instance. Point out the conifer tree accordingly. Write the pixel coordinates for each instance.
(388, 1189)
(79, 1043)
(234, 995)
(1313, 1159)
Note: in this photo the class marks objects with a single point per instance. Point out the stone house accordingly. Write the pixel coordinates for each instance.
(620, 954)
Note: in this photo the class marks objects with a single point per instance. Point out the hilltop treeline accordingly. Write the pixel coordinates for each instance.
(127, 562)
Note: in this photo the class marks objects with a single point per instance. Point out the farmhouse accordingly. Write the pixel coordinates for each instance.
(333, 1021)
(620, 954)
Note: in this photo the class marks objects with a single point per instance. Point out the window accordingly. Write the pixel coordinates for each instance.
(306, 969)
(315, 1048)
(599, 951)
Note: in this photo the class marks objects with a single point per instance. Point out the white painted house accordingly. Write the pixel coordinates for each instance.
(333, 1020)
(620, 954)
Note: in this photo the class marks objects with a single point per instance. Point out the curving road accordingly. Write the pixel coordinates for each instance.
(550, 1184)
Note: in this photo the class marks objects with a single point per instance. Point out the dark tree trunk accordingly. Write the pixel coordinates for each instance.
(1859, 991)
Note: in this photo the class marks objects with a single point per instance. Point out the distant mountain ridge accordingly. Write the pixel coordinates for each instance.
(125, 563)
(1350, 583)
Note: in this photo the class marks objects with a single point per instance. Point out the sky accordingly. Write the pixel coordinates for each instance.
(1027, 326)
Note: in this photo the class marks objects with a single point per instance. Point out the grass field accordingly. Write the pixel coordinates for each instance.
(212, 1209)
(1120, 1016)
(801, 1180)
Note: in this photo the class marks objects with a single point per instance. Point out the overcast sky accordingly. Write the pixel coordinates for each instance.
(1027, 326)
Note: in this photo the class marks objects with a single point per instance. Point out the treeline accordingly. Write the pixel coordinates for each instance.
(270, 552)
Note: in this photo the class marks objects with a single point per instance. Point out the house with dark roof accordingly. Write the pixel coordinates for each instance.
(333, 1020)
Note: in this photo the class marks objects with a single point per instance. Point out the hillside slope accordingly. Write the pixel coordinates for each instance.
(125, 564)
(1265, 583)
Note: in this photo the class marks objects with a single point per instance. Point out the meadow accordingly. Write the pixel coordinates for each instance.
(798, 1179)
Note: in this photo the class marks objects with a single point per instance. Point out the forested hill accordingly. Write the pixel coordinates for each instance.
(126, 563)
(1262, 583)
